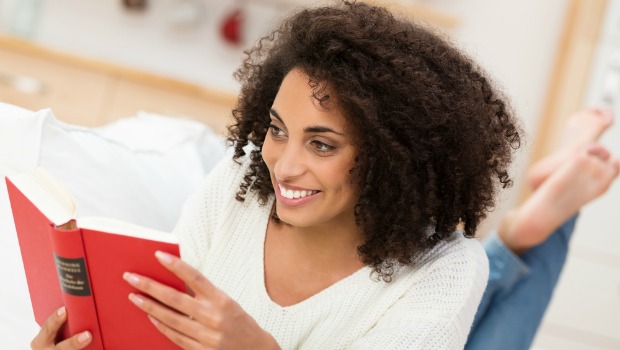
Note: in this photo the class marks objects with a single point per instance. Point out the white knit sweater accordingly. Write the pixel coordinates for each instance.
(428, 307)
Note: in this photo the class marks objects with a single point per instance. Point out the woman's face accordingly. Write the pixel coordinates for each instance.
(309, 152)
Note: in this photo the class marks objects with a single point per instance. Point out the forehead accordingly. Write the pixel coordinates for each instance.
(296, 102)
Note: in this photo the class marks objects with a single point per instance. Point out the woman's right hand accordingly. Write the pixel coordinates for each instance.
(46, 339)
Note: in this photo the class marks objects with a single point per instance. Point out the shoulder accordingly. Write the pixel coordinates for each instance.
(211, 203)
(436, 299)
(460, 250)
(453, 280)
(453, 274)
(222, 183)
(228, 172)
(452, 277)
(220, 186)
(462, 261)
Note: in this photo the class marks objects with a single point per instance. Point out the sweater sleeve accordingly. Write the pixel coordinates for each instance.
(438, 310)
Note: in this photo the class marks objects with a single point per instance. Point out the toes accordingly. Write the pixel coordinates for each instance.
(598, 151)
(615, 165)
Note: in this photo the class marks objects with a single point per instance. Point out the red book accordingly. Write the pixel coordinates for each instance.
(79, 263)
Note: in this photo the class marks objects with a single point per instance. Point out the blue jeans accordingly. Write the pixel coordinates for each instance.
(518, 291)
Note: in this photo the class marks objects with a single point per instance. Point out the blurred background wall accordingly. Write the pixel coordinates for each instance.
(516, 41)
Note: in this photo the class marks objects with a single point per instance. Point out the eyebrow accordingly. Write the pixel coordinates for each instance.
(309, 129)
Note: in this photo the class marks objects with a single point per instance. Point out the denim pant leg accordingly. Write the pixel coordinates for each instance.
(518, 291)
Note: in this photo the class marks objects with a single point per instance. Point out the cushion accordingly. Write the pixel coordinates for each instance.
(139, 169)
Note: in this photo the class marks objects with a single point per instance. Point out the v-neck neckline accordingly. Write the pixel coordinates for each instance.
(315, 298)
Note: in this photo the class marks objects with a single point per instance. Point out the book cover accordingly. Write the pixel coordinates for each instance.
(79, 263)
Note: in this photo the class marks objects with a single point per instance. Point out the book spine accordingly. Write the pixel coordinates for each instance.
(74, 279)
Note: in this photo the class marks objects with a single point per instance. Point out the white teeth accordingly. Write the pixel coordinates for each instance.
(290, 194)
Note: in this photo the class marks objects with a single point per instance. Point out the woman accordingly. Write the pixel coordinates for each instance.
(370, 141)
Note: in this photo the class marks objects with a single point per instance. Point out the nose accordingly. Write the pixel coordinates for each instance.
(290, 163)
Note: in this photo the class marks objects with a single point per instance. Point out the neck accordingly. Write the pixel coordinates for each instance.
(328, 244)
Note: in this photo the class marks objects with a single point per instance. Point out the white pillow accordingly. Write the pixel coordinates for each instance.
(139, 170)
(19, 144)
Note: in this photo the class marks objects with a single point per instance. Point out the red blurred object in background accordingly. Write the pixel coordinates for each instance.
(232, 26)
(139, 5)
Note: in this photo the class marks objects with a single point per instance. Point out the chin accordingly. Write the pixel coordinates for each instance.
(293, 219)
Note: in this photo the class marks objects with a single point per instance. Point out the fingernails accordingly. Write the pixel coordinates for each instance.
(61, 312)
(164, 258)
(136, 299)
(153, 320)
(131, 278)
(83, 337)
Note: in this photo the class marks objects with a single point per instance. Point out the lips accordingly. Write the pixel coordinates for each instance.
(294, 196)
(295, 193)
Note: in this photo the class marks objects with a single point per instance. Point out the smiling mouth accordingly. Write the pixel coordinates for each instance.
(295, 194)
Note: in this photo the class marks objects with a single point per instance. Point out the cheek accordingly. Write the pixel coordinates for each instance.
(268, 153)
(350, 181)
(342, 179)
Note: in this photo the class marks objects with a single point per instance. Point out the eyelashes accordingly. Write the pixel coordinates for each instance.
(319, 147)
(322, 147)
(276, 132)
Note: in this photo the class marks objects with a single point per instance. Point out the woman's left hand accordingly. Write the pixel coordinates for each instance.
(209, 319)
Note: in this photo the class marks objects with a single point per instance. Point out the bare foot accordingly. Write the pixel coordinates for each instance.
(584, 177)
(582, 128)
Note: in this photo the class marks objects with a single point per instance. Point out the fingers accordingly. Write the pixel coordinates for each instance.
(171, 318)
(182, 330)
(179, 339)
(165, 294)
(48, 333)
(76, 342)
(192, 277)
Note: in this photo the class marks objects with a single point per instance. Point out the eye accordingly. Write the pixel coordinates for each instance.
(322, 147)
(276, 132)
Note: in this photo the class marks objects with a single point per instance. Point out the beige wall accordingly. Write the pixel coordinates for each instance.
(516, 41)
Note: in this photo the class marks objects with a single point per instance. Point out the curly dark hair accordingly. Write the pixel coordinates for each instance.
(434, 137)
